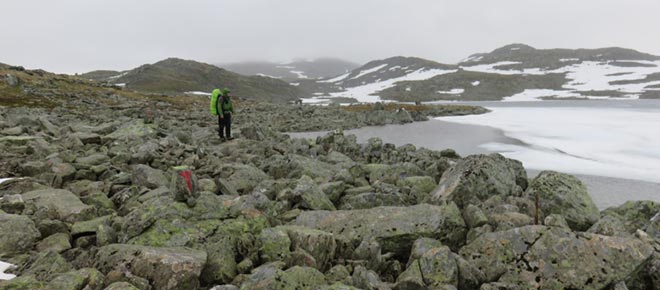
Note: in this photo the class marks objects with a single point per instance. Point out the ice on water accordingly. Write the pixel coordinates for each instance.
(614, 142)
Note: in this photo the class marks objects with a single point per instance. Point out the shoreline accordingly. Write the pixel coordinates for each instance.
(606, 191)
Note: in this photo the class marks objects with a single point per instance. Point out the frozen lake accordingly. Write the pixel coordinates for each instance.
(598, 138)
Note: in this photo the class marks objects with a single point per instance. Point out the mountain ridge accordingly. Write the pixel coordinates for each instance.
(175, 75)
(297, 69)
(512, 72)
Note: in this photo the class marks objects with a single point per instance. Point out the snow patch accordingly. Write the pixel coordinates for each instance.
(197, 93)
(394, 68)
(299, 74)
(3, 267)
(475, 83)
(568, 59)
(118, 76)
(473, 59)
(535, 95)
(367, 93)
(336, 79)
(368, 71)
(3, 180)
(294, 84)
(268, 76)
(452, 91)
(492, 68)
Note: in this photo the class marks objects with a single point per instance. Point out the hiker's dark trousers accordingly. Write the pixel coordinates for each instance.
(224, 125)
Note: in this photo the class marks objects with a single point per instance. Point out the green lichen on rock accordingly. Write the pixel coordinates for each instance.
(565, 195)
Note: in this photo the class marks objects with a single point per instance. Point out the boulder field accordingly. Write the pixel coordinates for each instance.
(117, 199)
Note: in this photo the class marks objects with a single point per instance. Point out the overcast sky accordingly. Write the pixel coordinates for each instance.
(81, 35)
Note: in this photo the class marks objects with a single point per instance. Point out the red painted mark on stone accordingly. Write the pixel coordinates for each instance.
(186, 174)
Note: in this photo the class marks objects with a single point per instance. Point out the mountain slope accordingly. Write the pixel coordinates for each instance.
(362, 84)
(175, 75)
(515, 72)
(301, 69)
(100, 75)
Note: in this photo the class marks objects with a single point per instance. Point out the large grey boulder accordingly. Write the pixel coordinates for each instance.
(143, 175)
(278, 243)
(538, 256)
(311, 196)
(476, 178)
(241, 178)
(565, 195)
(165, 268)
(395, 228)
(17, 234)
(59, 204)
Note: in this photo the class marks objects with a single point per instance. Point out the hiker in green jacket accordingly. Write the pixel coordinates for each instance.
(224, 109)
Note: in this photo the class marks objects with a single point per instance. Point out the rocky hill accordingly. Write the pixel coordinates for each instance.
(175, 75)
(299, 69)
(515, 72)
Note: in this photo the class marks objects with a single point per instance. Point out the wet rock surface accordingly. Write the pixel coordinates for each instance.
(110, 197)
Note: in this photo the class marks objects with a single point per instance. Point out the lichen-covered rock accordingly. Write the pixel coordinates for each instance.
(474, 216)
(60, 204)
(86, 278)
(278, 243)
(221, 266)
(608, 225)
(121, 286)
(311, 196)
(635, 215)
(296, 166)
(421, 246)
(45, 266)
(166, 268)
(17, 234)
(184, 185)
(242, 177)
(556, 220)
(556, 257)
(143, 175)
(391, 173)
(364, 278)
(24, 282)
(58, 243)
(438, 267)
(476, 178)
(565, 195)
(271, 277)
(395, 228)
(275, 245)
(370, 200)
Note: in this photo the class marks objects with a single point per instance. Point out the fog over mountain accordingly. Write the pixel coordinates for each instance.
(78, 35)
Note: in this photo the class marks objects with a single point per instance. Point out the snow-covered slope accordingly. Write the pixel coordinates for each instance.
(515, 72)
(364, 83)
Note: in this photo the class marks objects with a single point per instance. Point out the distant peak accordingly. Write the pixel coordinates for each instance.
(514, 47)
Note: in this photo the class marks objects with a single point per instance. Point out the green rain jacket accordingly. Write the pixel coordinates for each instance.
(215, 95)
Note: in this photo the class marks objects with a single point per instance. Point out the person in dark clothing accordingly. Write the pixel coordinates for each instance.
(225, 109)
